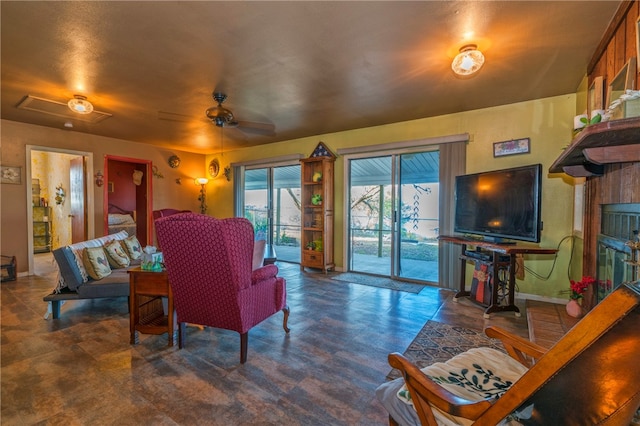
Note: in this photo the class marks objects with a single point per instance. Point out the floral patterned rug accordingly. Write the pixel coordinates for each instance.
(438, 342)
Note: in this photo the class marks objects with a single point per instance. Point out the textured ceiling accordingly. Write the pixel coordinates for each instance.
(301, 68)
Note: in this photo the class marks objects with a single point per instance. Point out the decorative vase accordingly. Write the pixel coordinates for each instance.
(574, 309)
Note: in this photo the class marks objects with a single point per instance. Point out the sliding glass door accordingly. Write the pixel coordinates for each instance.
(393, 215)
(271, 201)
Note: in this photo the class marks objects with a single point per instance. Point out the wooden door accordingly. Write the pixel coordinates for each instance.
(77, 195)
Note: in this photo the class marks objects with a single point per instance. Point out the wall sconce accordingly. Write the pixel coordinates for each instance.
(99, 178)
(202, 181)
(468, 61)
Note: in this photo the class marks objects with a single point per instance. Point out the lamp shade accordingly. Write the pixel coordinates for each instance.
(468, 61)
(201, 181)
(80, 104)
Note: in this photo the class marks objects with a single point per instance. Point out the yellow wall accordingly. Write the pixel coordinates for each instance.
(548, 122)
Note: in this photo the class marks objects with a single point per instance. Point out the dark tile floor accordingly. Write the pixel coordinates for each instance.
(81, 369)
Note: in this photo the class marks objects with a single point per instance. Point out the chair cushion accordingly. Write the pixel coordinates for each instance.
(477, 374)
(96, 263)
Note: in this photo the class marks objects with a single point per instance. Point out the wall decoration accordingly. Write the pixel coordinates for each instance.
(99, 178)
(60, 194)
(156, 173)
(137, 177)
(595, 100)
(174, 161)
(11, 174)
(623, 81)
(322, 151)
(214, 168)
(110, 187)
(227, 173)
(514, 146)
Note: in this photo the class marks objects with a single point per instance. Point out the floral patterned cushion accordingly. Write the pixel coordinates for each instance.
(96, 263)
(477, 374)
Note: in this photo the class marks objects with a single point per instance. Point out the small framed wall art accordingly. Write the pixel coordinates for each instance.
(11, 174)
(514, 146)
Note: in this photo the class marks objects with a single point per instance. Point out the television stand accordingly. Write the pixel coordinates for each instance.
(503, 259)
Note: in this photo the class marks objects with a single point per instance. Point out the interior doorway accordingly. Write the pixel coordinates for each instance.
(128, 201)
(58, 200)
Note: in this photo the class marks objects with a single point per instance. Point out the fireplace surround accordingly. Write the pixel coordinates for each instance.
(617, 255)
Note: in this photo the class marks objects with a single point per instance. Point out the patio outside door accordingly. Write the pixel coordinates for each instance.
(393, 220)
(272, 204)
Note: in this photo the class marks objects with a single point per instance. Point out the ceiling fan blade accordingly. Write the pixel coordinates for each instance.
(264, 129)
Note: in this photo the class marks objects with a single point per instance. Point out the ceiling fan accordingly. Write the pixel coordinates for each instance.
(218, 114)
(223, 117)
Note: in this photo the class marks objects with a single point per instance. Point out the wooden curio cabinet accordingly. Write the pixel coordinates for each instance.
(317, 210)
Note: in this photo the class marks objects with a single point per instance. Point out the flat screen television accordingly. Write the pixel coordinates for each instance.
(501, 204)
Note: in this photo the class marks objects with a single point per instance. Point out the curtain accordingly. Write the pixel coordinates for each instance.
(453, 157)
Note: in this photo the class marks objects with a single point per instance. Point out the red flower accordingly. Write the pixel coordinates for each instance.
(579, 287)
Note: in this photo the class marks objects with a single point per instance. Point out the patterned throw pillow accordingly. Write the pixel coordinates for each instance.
(116, 255)
(96, 263)
(132, 247)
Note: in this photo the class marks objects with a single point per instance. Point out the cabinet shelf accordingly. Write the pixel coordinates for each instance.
(41, 229)
(317, 230)
(613, 141)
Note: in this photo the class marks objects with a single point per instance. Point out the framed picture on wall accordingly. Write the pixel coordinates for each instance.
(11, 174)
(514, 146)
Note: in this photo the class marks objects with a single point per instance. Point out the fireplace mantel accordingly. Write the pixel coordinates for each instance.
(615, 141)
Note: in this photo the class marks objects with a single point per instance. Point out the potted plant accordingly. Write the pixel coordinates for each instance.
(577, 289)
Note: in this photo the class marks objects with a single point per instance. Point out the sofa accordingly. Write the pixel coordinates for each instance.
(74, 283)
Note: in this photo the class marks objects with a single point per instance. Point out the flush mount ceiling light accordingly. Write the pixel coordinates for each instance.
(468, 61)
(80, 104)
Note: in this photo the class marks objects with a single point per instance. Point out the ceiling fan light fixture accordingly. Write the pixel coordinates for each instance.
(468, 61)
(80, 104)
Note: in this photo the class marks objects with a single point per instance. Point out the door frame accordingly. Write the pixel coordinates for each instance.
(89, 201)
(149, 193)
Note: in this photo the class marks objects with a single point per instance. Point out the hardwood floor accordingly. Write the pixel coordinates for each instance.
(81, 369)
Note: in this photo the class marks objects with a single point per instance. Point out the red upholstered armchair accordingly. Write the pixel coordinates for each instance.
(208, 263)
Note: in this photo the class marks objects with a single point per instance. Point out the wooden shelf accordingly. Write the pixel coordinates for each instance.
(613, 141)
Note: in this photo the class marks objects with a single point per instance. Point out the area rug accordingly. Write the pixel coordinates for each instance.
(380, 282)
(438, 342)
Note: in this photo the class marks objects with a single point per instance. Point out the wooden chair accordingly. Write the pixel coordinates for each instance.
(590, 376)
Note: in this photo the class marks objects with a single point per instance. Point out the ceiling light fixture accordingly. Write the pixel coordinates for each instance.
(80, 104)
(468, 61)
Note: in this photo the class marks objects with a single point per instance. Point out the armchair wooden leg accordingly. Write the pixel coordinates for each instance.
(286, 319)
(244, 339)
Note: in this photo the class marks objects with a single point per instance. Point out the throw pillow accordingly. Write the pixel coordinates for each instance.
(132, 247)
(116, 255)
(96, 263)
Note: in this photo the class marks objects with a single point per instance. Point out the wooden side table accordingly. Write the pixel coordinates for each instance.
(146, 312)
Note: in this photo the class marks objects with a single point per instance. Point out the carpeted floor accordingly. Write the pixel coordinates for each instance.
(378, 282)
(438, 342)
